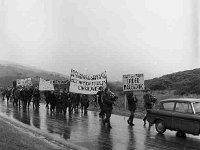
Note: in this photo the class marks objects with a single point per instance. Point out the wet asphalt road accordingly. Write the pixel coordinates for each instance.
(88, 131)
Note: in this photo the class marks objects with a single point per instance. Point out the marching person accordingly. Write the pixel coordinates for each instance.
(107, 106)
(36, 97)
(132, 101)
(149, 101)
(84, 103)
(100, 102)
(65, 97)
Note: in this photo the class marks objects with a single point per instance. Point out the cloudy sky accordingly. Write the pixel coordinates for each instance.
(154, 37)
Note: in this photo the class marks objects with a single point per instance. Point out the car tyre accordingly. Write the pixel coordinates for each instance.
(160, 126)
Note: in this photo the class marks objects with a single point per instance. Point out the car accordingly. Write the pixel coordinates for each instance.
(177, 114)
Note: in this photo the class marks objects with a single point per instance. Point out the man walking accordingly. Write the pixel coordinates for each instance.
(107, 106)
(132, 100)
(149, 101)
(100, 102)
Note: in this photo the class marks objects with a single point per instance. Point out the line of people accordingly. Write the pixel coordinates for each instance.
(61, 100)
(22, 96)
(149, 102)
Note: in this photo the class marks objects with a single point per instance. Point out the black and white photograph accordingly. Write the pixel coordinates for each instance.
(99, 74)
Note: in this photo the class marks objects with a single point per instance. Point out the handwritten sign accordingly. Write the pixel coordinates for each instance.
(133, 82)
(45, 85)
(86, 84)
(24, 82)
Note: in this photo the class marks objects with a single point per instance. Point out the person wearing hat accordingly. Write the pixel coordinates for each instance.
(132, 101)
(149, 101)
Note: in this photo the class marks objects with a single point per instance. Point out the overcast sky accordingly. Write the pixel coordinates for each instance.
(154, 37)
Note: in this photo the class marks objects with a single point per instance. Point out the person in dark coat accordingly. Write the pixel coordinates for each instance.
(47, 98)
(52, 101)
(58, 99)
(100, 102)
(132, 100)
(107, 106)
(84, 103)
(8, 94)
(65, 97)
(149, 101)
(36, 97)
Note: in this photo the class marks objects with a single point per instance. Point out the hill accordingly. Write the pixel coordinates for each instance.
(182, 83)
(10, 72)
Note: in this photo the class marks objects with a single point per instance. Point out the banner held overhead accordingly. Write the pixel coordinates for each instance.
(24, 82)
(86, 84)
(45, 85)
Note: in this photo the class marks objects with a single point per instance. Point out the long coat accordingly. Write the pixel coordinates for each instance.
(148, 101)
(107, 102)
(132, 100)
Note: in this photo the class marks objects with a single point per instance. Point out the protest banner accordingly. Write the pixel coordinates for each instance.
(133, 82)
(45, 85)
(86, 84)
(24, 82)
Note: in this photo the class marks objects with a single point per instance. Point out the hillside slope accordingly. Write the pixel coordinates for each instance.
(11, 72)
(185, 82)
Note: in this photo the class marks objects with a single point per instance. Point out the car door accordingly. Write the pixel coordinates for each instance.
(165, 113)
(182, 117)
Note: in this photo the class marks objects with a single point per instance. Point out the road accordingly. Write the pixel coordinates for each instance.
(88, 131)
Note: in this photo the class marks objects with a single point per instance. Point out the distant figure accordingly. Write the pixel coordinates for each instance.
(65, 97)
(36, 97)
(47, 98)
(16, 96)
(149, 101)
(4, 93)
(52, 101)
(100, 102)
(132, 100)
(84, 103)
(59, 107)
(8, 94)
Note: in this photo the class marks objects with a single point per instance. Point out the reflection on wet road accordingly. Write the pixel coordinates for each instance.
(88, 131)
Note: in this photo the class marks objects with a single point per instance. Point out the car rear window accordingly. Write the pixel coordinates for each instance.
(168, 106)
(183, 107)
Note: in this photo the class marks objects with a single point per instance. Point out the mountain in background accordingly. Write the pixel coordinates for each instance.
(181, 83)
(184, 82)
(11, 71)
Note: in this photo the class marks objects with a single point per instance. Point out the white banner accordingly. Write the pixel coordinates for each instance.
(85, 84)
(133, 82)
(24, 82)
(45, 85)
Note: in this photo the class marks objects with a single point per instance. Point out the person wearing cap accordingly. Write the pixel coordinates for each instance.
(100, 102)
(149, 101)
(107, 106)
(132, 101)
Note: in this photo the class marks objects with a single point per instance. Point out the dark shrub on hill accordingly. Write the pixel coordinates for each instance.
(186, 82)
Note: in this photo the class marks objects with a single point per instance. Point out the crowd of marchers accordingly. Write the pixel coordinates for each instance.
(59, 101)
